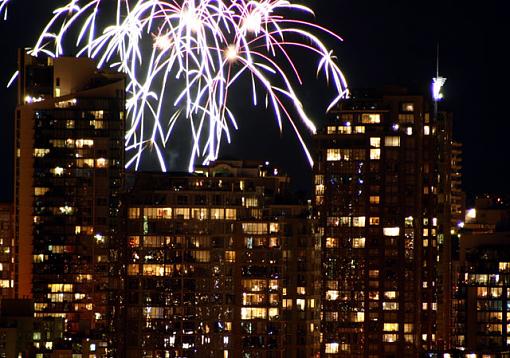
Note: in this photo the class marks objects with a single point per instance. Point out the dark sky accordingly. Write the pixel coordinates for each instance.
(386, 42)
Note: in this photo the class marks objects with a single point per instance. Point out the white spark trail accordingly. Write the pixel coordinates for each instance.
(183, 58)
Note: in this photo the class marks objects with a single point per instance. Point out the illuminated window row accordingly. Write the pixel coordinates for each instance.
(184, 213)
(337, 154)
(248, 313)
(355, 221)
(334, 242)
(347, 129)
(260, 228)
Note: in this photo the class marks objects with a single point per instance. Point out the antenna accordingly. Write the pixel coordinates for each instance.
(438, 81)
(437, 60)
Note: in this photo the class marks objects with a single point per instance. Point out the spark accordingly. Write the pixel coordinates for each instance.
(198, 50)
(13, 78)
(3, 8)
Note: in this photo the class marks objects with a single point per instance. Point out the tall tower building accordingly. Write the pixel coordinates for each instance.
(68, 170)
(458, 196)
(221, 263)
(377, 188)
(6, 252)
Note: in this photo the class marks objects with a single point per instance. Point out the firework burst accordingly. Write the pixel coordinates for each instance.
(183, 57)
(3, 8)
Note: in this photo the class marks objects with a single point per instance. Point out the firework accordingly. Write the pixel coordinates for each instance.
(3, 8)
(182, 59)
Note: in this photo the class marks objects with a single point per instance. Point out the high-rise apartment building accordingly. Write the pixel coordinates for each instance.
(220, 263)
(68, 171)
(482, 296)
(379, 196)
(6, 252)
(458, 200)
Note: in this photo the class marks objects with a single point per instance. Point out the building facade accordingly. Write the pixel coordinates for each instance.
(6, 252)
(68, 174)
(482, 296)
(378, 181)
(220, 264)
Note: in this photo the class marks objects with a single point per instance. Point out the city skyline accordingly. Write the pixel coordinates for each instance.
(221, 261)
(398, 47)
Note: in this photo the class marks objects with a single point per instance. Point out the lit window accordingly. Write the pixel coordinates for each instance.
(199, 213)
(287, 304)
(331, 129)
(253, 313)
(391, 295)
(251, 202)
(409, 221)
(481, 291)
(331, 348)
(201, 255)
(375, 200)
(373, 273)
(66, 210)
(254, 285)
(101, 163)
(390, 327)
(375, 154)
(358, 243)
(390, 306)
(133, 213)
(182, 213)
(97, 124)
(134, 241)
(374, 220)
(217, 214)
(345, 129)
(358, 317)
(38, 191)
(375, 142)
(409, 130)
(39, 153)
(370, 118)
(84, 143)
(393, 141)
(391, 231)
(230, 214)
(333, 155)
(359, 129)
(57, 171)
(133, 269)
(358, 221)
(389, 338)
(407, 107)
(504, 266)
(255, 228)
(230, 256)
(426, 130)
(153, 270)
(331, 295)
(300, 303)
(496, 292)
(331, 242)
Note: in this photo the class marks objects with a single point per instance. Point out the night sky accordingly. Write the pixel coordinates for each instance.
(385, 42)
